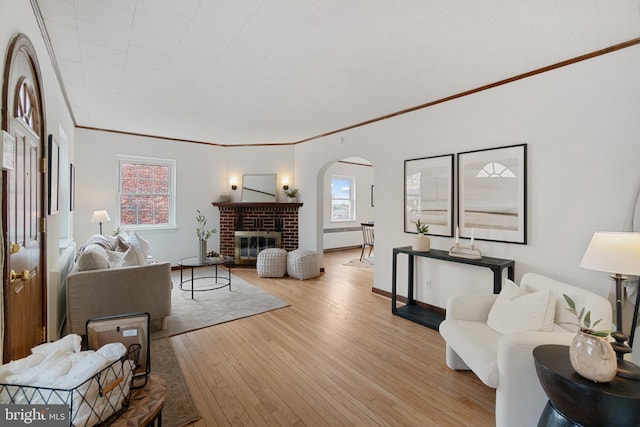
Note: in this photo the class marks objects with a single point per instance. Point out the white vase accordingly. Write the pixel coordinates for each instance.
(421, 243)
(202, 250)
(292, 199)
(593, 357)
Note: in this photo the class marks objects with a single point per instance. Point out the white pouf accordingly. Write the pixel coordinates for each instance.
(272, 262)
(303, 264)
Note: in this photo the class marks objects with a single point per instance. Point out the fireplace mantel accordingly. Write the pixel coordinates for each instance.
(235, 205)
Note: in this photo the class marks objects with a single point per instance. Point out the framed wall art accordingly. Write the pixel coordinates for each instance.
(492, 186)
(72, 187)
(428, 194)
(54, 175)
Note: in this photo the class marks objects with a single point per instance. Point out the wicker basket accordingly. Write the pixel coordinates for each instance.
(272, 262)
(100, 399)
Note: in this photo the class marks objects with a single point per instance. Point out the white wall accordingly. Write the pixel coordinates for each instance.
(200, 178)
(261, 160)
(363, 175)
(583, 134)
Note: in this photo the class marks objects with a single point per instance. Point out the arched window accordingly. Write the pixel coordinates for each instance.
(26, 106)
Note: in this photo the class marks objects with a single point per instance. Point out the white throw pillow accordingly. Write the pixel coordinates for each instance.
(140, 243)
(130, 257)
(94, 257)
(517, 310)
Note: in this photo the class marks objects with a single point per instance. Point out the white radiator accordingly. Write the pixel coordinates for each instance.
(57, 300)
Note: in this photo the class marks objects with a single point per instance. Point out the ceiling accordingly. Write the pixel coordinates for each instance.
(280, 71)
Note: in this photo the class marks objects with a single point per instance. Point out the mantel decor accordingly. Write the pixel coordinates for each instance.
(492, 194)
(428, 194)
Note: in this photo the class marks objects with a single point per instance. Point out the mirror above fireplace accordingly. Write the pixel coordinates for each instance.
(259, 187)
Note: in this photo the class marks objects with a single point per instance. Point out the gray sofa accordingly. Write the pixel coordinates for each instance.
(114, 281)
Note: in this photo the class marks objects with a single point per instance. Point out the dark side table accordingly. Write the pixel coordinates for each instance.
(577, 401)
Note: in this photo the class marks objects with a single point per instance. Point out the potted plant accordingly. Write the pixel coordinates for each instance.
(203, 234)
(292, 194)
(590, 353)
(421, 243)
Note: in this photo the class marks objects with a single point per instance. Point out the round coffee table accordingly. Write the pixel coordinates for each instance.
(219, 281)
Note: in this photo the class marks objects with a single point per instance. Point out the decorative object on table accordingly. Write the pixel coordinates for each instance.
(203, 235)
(428, 193)
(421, 242)
(224, 198)
(100, 217)
(492, 193)
(469, 252)
(617, 252)
(292, 194)
(590, 353)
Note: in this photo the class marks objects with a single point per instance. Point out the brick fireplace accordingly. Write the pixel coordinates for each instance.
(257, 217)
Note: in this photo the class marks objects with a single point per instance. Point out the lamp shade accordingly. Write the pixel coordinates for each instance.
(100, 216)
(613, 252)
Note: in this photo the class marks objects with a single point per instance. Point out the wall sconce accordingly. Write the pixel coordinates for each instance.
(234, 185)
(285, 184)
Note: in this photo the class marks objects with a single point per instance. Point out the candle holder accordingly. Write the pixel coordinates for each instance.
(469, 252)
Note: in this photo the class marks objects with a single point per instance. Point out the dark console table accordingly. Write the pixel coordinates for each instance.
(577, 401)
(426, 317)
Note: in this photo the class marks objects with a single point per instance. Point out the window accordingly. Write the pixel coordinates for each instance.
(146, 192)
(343, 198)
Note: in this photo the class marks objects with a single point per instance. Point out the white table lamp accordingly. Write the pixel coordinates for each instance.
(100, 217)
(617, 253)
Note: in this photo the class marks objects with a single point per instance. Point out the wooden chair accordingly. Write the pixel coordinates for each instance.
(367, 237)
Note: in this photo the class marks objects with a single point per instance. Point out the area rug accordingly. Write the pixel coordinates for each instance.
(210, 308)
(365, 263)
(179, 408)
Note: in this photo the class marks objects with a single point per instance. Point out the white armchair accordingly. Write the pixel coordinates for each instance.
(505, 361)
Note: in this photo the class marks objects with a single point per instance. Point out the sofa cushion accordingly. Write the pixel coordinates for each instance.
(93, 257)
(131, 257)
(517, 310)
(96, 239)
(476, 344)
(140, 243)
(128, 258)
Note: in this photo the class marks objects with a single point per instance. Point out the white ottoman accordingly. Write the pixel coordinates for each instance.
(303, 264)
(272, 262)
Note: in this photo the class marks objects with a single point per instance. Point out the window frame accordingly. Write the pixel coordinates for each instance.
(171, 225)
(352, 199)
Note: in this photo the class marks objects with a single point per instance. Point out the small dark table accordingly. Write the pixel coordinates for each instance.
(577, 401)
(218, 281)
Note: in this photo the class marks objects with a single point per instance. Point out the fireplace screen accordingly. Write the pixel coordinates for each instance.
(250, 243)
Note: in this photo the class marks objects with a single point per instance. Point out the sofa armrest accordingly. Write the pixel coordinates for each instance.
(520, 398)
(471, 307)
(115, 291)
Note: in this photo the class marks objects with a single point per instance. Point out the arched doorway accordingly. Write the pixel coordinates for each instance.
(349, 203)
(23, 214)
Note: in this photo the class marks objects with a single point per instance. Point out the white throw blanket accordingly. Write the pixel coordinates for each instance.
(61, 365)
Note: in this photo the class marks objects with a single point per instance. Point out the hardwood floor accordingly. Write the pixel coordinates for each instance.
(335, 357)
